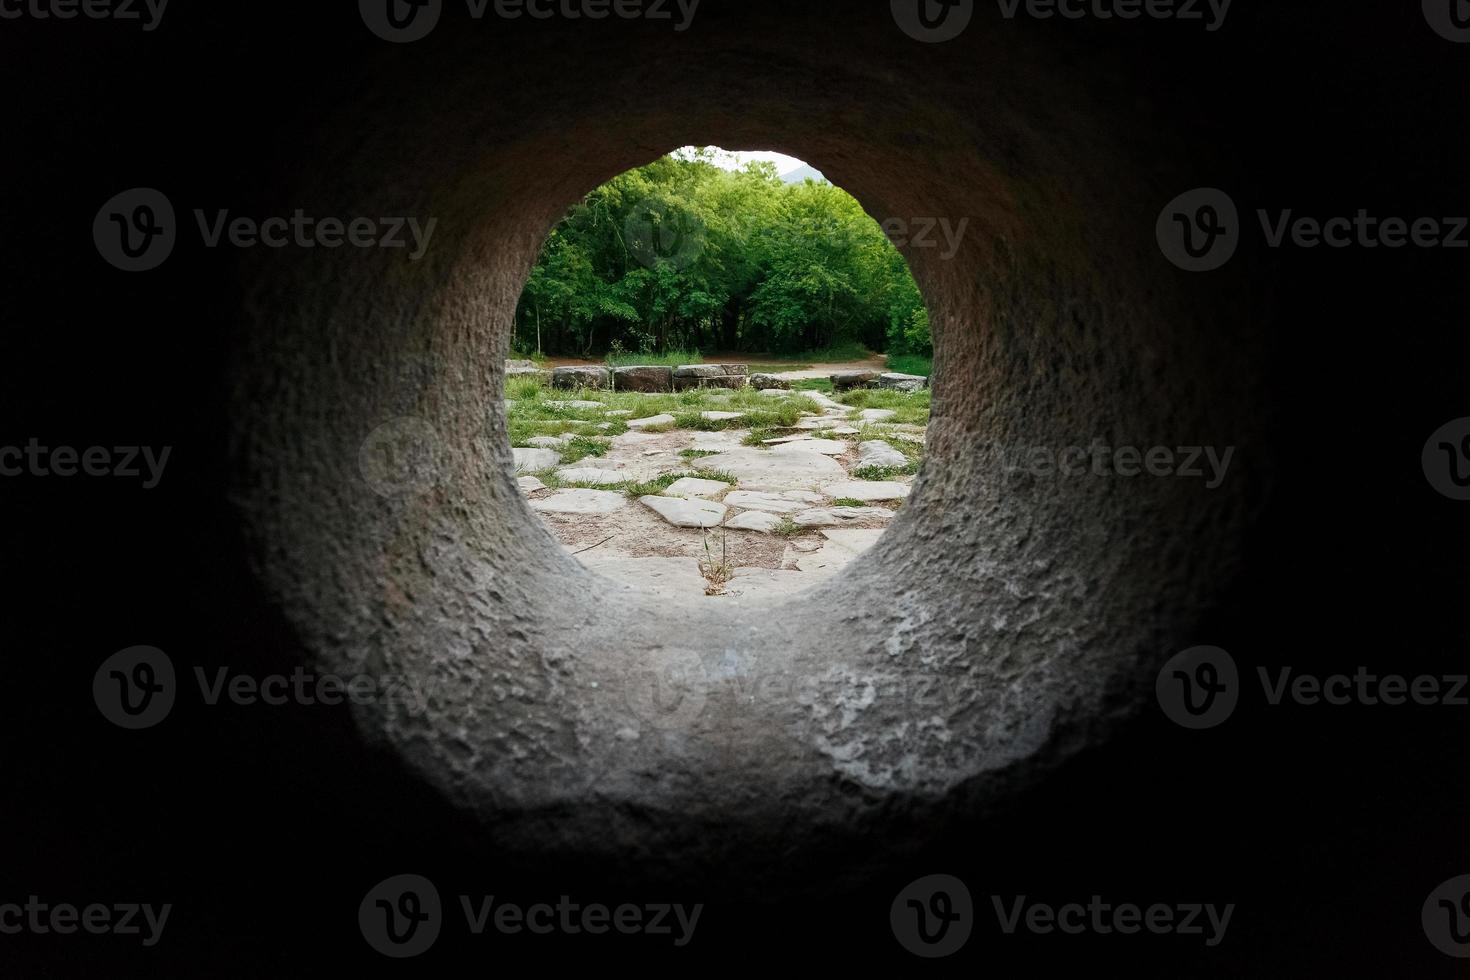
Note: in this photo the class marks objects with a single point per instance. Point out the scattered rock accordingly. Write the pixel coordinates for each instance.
(769, 382)
(644, 379)
(823, 401)
(879, 453)
(581, 502)
(700, 371)
(806, 545)
(772, 392)
(585, 376)
(690, 487)
(754, 521)
(682, 512)
(848, 380)
(770, 502)
(721, 416)
(876, 414)
(535, 460)
(594, 476)
(856, 540)
(550, 442)
(760, 469)
(654, 421)
(620, 413)
(837, 516)
(826, 447)
(909, 383)
(529, 484)
(575, 406)
(867, 491)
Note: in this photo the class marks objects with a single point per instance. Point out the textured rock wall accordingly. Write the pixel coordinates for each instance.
(999, 626)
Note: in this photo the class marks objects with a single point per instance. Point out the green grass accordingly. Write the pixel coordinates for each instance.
(848, 502)
(697, 453)
(912, 409)
(814, 384)
(676, 358)
(884, 473)
(911, 364)
(582, 447)
(788, 529)
(656, 486)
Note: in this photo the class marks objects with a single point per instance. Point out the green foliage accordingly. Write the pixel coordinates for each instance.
(911, 364)
(681, 255)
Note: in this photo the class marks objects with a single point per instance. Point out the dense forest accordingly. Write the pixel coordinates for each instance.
(682, 255)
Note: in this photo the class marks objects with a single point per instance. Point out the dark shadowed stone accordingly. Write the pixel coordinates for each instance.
(733, 381)
(903, 382)
(848, 380)
(647, 379)
(700, 371)
(579, 377)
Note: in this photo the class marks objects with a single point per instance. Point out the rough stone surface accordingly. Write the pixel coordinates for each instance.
(825, 447)
(579, 377)
(848, 380)
(879, 453)
(721, 416)
(759, 469)
(593, 475)
(868, 491)
(691, 487)
(769, 382)
(837, 516)
(534, 460)
(754, 521)
(529, 484)
(909, 383)
(774, 503)
(643, 379)
(876, 414)
(1041, 609)
(683, 512)
(653, 421)
(581, 502)
(731, 381)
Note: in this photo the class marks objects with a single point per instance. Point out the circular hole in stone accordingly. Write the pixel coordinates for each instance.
(695, 401)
